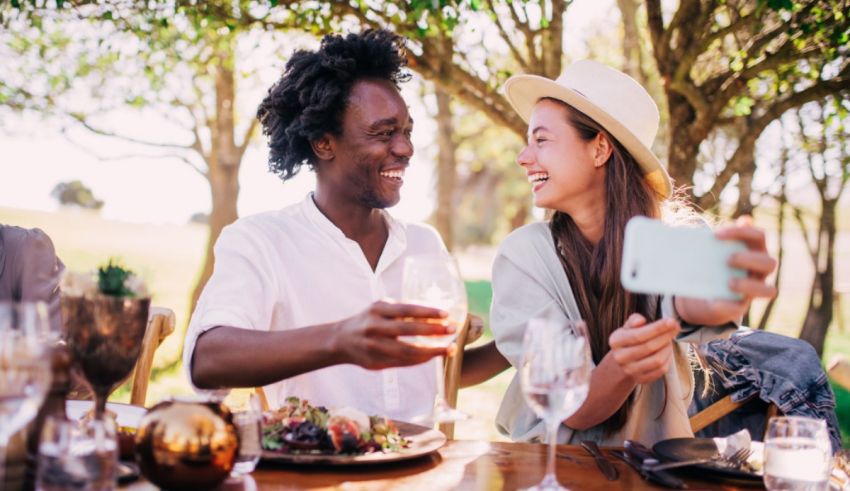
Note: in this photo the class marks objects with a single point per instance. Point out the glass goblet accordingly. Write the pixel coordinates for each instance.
(25, 368)
(555, 377)
(434, 280)
(797, 454)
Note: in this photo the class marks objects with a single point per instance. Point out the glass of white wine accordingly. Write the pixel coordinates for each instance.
(555, 377)
(25, 368)
(434, 280)
(797, 454)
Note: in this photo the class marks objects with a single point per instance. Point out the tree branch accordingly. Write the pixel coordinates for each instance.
(523, 63)
(246, 138)
(527, 32)
(85, 124)
(655, 22)
(129, 156)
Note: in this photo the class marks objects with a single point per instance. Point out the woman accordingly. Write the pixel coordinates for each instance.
(588, 159)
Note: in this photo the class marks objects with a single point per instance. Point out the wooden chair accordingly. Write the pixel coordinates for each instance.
(469, 333)
(161, 323)
(839, 371)
(721, 408)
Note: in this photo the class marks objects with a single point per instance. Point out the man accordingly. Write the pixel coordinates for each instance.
(295, 299)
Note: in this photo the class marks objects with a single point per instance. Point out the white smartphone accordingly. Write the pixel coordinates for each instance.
(683, 261)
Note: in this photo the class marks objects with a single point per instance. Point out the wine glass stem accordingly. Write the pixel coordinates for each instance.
(99, 405)
(552, 430)
(441, 382)
(4, 443)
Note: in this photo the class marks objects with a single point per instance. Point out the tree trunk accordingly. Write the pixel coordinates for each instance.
(223, 162)
(632, 58)
(780, 233)
(682, 156)
(819, 315)
(446, 169)
(745, 191)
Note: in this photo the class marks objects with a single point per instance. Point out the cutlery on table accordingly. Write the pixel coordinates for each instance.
(607, 468)
(734, 461)
(636, 453)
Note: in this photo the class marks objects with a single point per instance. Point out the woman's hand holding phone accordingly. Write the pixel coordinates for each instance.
(644, 351)
(757, 263)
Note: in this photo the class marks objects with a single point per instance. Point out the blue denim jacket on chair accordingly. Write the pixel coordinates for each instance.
(782, 370)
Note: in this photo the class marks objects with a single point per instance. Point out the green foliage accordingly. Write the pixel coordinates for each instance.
(75, 193)
(479, 295)
(112, 278)
(842, 410)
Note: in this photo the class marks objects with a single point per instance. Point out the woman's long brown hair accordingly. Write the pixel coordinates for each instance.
(594, 271)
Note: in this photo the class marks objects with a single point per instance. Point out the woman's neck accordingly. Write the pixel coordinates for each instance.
(590, 219)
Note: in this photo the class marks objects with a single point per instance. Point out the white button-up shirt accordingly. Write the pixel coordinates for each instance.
(294, 268)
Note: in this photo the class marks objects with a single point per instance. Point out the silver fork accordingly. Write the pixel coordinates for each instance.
(734, 461)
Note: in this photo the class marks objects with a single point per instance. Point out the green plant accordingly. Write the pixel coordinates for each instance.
(112, 279)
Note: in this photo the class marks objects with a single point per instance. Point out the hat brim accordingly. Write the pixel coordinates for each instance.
(523, 92)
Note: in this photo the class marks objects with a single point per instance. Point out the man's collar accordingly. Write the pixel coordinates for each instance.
(396, 228)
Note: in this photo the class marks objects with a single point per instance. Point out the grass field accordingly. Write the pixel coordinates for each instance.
(169, 257)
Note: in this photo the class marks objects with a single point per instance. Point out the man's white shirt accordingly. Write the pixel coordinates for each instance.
(293, 268)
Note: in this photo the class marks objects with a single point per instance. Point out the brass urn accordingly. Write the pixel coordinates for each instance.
(187, 444)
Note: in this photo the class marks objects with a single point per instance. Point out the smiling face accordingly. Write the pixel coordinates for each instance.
(371, 154)
(564, 170)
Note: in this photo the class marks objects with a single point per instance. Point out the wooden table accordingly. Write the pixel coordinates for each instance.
(460, 464)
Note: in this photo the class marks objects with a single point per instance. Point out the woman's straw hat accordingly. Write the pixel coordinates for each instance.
(609, 97)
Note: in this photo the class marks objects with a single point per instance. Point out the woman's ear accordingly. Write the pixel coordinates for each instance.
(323, 148)
(602, 149)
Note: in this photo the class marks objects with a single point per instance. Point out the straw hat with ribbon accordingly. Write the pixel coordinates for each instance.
(609, 97)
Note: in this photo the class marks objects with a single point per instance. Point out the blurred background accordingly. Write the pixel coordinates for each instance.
(127, 130)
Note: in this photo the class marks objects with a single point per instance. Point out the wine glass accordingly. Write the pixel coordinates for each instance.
(25, 367)
(434, 280)
(555, 376)
(105, 337)
(797, 454)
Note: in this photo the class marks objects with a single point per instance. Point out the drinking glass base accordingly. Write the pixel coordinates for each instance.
(549, 483)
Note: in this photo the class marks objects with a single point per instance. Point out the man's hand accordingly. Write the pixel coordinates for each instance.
(643, 351)
(370, 339)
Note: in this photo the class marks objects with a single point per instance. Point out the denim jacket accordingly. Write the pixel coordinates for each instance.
(781, 370)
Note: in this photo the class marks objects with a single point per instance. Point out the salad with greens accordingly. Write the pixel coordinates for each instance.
(298, 427)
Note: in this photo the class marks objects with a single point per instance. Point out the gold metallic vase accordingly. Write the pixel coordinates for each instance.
(187, 445)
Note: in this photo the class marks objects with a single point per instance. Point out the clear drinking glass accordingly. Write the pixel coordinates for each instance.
(554, 376)
(80, 455)
(797, 454)
(25, 367)
(249, 425)
(434, 280)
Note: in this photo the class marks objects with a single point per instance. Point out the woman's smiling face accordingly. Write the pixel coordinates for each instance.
(561, 166)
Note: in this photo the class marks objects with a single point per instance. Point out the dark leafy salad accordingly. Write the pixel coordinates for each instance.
(298, 427)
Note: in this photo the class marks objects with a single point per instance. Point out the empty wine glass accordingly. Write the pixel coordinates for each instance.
(797, 454)
(249, 426)
(434, 280)
(25, 368)
(78, 455)
(555, 376)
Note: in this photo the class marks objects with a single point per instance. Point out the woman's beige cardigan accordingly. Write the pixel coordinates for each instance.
(529, 281)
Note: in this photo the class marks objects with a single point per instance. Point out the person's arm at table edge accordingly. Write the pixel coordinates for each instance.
(482, 363)
(232, 357)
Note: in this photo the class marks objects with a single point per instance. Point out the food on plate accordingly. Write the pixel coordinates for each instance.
(298, 427)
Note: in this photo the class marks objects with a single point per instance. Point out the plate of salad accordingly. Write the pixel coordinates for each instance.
(300, 433)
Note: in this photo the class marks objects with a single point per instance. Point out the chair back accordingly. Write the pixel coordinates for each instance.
(161, 323)
(469, 333)
(726, 406)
